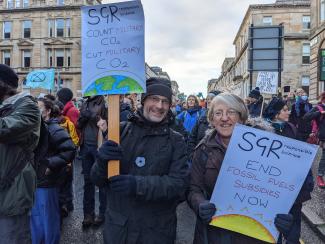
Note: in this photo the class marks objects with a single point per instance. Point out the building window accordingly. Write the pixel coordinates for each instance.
(7, 30)
(306, 53)
(51, 28)
(305, 80)
(267, 20)
(6, 57)
(306, 22)
(27, 25)
(60, 2)
(59, 27)
(10, 4)
(68, 27)
(17, 3)
(50, 57)
(26, 3)
(322, 10)
(59, 56)
(26, 58)
(68, 51)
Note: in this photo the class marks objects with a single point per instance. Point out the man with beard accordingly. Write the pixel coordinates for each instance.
(19, 135)
(141, 202)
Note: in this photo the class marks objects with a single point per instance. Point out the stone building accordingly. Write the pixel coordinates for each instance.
(163, 74)
(45, 34)
(294, 15)
(317, 44)
(41, 35)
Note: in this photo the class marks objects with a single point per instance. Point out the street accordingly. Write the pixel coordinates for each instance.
(72, 232)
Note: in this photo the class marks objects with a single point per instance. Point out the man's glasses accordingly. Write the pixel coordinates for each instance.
(157, 100)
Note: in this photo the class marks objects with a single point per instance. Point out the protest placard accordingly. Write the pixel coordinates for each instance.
(267, 82)
(41, 78)
(113, 49)
(261, 176)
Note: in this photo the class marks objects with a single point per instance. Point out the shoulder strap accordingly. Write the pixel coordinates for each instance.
(124, 128)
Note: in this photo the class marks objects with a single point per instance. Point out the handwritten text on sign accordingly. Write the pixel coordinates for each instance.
(113, 49)
(267, 82)
(261, 176)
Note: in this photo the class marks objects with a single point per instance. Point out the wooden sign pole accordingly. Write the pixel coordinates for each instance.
(262, 108)
(113, 167)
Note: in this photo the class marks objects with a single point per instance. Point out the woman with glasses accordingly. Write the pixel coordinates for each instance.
(226, 110)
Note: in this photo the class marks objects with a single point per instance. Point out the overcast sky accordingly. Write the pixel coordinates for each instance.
(189, 39)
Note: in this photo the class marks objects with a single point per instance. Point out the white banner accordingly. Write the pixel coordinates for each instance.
(261, 176)
(113, 49)
(267, 82)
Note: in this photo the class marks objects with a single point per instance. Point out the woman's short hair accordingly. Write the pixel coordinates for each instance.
(50, 105)
(233, 102)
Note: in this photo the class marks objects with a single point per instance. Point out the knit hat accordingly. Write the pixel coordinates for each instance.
(273, 108)
(64, 95)
(158, 86)
(255, 93)
(8, 76)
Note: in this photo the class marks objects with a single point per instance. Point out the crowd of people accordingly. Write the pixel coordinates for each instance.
(169, 151)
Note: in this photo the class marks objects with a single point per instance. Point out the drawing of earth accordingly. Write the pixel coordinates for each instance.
(114, 84)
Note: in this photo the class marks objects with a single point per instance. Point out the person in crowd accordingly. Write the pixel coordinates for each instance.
(66, 190)
(226, 110)
(277, 112)
(318, 113)
(299, 109)
(142, 200)
(256, 102)
(192, 114)
(49, 97)
(51, 173)
(201, 126)
(65, 96)
(19, 134)
(131, 103)
(92, 110)
(184, 105)
(291, 99)
(125, 108)
(178, 107)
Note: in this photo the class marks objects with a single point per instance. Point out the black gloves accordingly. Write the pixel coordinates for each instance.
(123, 184)
(284, 222)
(110, 150)
(206, 211)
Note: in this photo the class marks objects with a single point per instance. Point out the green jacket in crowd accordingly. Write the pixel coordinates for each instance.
(19, 135)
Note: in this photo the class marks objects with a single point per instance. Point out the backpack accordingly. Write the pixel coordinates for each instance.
(314, 137)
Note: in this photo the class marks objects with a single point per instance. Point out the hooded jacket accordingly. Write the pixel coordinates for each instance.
(19, 135)
(71, 112)
(61, 151)
(150, 215)
(189, 118)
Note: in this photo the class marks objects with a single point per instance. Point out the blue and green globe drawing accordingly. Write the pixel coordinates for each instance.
(114, 84)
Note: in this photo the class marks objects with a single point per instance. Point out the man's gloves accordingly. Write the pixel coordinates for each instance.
(123, 184)
(284, 222)
(110, 150)
(206, 211)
